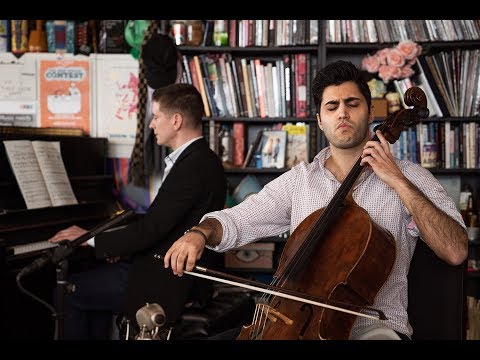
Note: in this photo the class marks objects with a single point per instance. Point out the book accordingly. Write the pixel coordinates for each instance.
(252, 149)
(301, 85)
(238, 143)
(435, 83)
(297, 144)
(274, 148)
(423, 83)
(40, 173)
(201, 85)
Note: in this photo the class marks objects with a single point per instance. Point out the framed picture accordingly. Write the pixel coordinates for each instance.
(273, 147)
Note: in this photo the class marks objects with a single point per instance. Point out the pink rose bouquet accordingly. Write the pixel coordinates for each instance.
(393, 63)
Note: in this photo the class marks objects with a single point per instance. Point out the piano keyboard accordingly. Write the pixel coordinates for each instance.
(36, 246)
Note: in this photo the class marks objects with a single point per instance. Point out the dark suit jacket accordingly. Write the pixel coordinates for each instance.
(195, 185)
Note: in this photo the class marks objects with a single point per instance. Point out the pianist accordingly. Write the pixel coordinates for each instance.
(193, 184)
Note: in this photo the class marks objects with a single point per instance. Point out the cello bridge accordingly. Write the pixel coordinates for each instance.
(273, 314)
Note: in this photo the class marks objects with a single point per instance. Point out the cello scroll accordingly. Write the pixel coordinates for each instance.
(400, 120)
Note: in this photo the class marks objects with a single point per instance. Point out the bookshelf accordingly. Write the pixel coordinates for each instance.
(341, 46)
(261, 65)
(366, 47)
(247, 50)
(258, 120)
(256, 60)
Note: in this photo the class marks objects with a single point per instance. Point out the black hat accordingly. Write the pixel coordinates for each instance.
(160, 58)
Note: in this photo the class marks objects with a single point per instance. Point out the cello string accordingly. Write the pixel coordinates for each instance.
(308, 246)
(312, 239)
(259, 329)
(334, 206)
(255, 318)
(303, 252)
(264, 322)
(258, 324)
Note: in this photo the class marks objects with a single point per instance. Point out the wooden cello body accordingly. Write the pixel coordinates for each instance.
(337, 254)
(343, 271)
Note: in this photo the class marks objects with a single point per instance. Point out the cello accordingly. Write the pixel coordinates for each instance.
(334, 263)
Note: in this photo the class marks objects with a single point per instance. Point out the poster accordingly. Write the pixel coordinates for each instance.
(18, 106)
(64, 93)
(116, 84)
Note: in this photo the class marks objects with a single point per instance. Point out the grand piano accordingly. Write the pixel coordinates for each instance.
(23, 233)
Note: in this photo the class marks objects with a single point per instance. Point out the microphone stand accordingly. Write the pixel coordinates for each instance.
(59, 257)
(63, 287)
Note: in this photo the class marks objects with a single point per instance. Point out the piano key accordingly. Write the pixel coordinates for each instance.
(36, 246)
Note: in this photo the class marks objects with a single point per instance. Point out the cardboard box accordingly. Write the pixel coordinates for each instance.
(251, 256)
(380, 107)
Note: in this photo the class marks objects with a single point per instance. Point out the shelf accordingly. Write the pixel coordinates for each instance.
(465, 44)
(259, 119)
(251, 170)
(356, 47)
(436, 171)
(460, 119)
(250, 49)
(452, 119)
(439, 171)
(366, 47)
(311, 119)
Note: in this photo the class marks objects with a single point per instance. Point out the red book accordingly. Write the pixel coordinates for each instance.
(238, 143)
(193, 74)
(301, 85)
(232, 33)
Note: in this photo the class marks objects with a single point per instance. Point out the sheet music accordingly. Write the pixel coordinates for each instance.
(27, 171)
(53, 170)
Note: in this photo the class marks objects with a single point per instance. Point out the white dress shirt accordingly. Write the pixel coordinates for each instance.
(287, 200)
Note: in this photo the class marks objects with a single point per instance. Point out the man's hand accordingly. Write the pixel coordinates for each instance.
(188, 249)
(378, 156)
(71, 233)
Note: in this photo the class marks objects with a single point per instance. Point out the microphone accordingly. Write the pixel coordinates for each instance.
(150, 318)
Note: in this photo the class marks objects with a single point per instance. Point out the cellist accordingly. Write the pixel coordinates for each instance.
(400, 196)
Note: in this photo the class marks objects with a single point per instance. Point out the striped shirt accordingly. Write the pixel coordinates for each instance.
(287, 200)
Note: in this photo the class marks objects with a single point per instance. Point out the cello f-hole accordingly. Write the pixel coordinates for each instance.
(309, 308)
